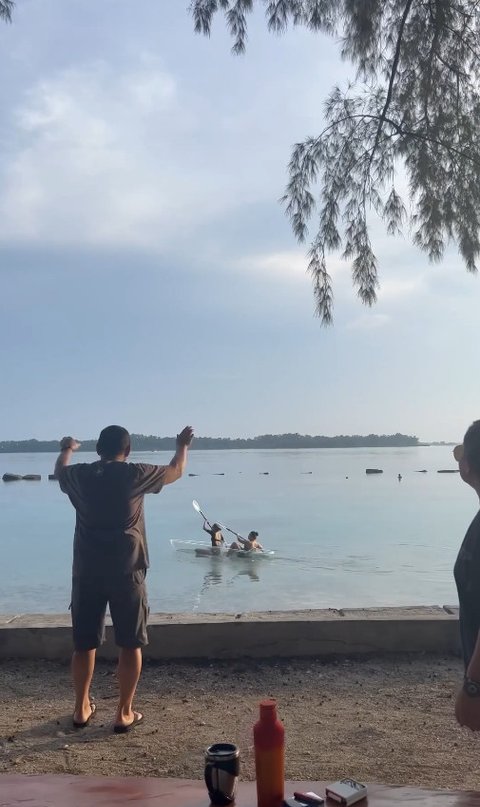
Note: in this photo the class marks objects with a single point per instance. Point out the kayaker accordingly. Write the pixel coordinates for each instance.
(250, 544)
(215, 533)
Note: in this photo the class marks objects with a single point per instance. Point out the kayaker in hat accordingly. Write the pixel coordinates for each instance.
(215, 533)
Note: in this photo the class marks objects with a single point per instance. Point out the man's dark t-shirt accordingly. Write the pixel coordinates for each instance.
(110, 533)
(467, 578)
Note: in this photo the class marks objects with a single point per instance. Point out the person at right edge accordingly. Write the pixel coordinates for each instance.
(467, 578)
(110, 560)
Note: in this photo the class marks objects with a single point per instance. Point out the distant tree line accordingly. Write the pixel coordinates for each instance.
(142, 442)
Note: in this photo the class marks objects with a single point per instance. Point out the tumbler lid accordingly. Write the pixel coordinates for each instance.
(223, 751)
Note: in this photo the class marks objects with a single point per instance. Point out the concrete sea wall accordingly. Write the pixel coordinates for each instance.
(315, 633)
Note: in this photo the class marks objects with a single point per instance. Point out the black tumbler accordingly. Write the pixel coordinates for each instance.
(222, 765)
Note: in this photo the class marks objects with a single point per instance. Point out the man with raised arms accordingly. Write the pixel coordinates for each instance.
(110, 560)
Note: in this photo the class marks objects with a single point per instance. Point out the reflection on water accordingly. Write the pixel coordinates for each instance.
(214, 575)
(250, 572)
(221, 572)
(221, 569)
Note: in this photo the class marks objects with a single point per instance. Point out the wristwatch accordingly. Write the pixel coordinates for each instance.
(471, 687)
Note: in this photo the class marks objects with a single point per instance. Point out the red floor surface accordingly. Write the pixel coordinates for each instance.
(85, 791)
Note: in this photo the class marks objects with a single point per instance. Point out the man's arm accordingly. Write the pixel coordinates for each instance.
(467, 707)
(473, 669)
(67, 446)
(176, 466)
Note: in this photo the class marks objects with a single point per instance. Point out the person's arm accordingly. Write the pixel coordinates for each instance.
(243, 541)
(67, 446)
(473, 669)
(206, 528)
(176, 466)
(467, 706)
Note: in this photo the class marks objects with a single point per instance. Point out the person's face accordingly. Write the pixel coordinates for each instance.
(463, 466)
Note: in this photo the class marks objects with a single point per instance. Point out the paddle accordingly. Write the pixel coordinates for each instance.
(197, 507)
(224, 527)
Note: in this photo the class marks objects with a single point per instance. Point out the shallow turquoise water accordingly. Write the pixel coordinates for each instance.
(361, 541)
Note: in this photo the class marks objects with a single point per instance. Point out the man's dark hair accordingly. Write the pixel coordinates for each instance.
(113, 440)
(471, 446)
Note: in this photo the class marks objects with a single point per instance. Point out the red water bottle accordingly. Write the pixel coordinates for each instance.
(269, 742)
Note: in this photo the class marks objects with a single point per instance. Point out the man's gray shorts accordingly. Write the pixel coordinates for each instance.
(126, 596)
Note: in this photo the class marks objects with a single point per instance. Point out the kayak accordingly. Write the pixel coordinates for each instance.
(204, 550)
(241, 554)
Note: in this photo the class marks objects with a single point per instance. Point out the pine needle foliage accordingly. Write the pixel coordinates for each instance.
(6, 8)
(413, 105)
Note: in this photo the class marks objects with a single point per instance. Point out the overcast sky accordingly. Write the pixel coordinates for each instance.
(148, 275)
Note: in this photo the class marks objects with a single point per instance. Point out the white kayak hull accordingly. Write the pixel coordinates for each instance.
(204, 550)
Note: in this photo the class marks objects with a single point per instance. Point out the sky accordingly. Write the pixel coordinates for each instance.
(148, 274)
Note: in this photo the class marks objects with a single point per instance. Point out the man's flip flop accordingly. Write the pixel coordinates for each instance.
(124, 729)
(77, 725)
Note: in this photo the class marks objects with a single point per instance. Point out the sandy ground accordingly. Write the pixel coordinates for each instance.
(388, 720)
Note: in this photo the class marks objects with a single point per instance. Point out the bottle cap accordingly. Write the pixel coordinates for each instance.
(268, 708)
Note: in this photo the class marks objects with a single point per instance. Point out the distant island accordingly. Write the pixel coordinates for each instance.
(142, 442)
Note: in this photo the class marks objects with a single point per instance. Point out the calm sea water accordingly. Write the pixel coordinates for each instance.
(342, 538)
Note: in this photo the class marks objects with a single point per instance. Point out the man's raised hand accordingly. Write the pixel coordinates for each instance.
(185, 437)
(69, 442)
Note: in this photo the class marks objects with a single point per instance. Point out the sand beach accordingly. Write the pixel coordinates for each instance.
(384, 719)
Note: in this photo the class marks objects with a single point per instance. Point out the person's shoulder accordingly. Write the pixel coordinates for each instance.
(471, 541)
(140, 468)
(146, 478)
(72, 477)
(474, 528)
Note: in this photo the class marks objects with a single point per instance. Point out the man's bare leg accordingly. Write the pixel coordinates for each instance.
(83, 665)
(129, 669)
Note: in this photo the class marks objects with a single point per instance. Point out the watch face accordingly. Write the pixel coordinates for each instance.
(472, 688)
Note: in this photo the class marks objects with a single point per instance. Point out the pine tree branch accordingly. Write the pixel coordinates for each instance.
(405, 133)
(393, 75)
